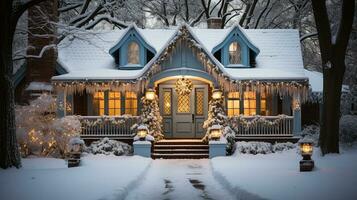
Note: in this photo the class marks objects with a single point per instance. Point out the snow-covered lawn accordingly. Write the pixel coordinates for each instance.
(99, 177)
(276, 176)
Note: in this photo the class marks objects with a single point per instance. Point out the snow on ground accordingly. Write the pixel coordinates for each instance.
(99, 177)
(276, 176)
(179, 179)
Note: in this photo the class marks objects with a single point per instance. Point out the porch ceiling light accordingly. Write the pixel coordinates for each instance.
(142, 132)
(215, 132)
(306, 150)
(217, 94)
(150, 94)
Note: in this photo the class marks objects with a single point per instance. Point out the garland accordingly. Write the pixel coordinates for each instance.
(107, 120)
(241, 120)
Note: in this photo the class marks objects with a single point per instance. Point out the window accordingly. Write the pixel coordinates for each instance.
(250, 103)
(131, 103)
(167, 102)
(263, 103)
(98, 103)
(234, 53)
(114, 103)
(183, 103)
(233, 104)
(133, 53)
(199, 102)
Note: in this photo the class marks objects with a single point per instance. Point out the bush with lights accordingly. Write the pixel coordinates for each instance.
(150, 115)
(40, 132)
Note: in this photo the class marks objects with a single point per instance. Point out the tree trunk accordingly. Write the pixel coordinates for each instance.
(329, 133)
(9, 153)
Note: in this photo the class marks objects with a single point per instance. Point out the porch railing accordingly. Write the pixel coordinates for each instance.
(98, 126)
(283, 126)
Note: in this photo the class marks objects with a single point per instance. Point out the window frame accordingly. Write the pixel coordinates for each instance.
(135, 109)
(241, 103)
(234, 99)
(124, 50)
(244, 51)
(121, 107)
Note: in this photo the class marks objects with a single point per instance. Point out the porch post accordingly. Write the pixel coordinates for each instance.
(61, 103)
(297, 116)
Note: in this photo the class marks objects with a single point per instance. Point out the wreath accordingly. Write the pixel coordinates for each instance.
(183, 86)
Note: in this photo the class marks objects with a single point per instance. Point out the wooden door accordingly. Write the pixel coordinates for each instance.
(183, 115)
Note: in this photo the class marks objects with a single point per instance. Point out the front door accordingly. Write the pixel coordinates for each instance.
(183, 115)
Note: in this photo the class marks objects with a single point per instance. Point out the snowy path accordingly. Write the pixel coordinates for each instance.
(179, 179)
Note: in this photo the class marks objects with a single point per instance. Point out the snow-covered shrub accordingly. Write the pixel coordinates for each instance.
(229, 134)
(283, 146)
(107, 146)
(253, 147)
(262, 147)
(311, 132)
(40, 132)
(348, 129)
(151, 117)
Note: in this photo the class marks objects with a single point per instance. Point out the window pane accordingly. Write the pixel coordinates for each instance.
(234, 53)
(98, 103)
(250, 104)
(233, 104)
(131, 103)
(183, 104)
(133, 53)
(199, 102)
(114, 103)
(167, 103)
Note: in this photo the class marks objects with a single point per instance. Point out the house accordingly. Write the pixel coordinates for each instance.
(260, 72)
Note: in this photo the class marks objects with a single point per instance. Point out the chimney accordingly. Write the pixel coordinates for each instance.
(214, 23)
(40, 70)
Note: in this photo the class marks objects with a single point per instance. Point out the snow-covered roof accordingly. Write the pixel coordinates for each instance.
(86, 56)
(315, 80)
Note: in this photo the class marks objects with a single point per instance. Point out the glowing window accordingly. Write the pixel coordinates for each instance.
(234, 53)
(131, 103)
(114, 103)
(98, 103)
(263, 103)
(233, 104)
(250, 103)
(133, 53)
(183, 104)
(199, 102)
(167, 103)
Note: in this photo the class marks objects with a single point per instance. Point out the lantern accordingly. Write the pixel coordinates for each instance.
(142, 132)
(215, 132)
(306, 150)
(150, 94)
(217, 94)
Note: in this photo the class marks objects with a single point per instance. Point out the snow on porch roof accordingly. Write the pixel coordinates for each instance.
(86, 56)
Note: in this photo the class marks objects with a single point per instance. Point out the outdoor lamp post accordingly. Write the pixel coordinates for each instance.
(216, 94)
(215, 132)
(306, 149)
(150, 94)
(142, 132)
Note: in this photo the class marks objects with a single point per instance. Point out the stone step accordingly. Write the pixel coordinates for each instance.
(183, 151)
(179, 156)
(180, 142)
(180, 146)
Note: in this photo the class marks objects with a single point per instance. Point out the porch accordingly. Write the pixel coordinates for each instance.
(119, 127)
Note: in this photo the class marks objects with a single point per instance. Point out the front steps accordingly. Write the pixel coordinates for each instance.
(180, 149)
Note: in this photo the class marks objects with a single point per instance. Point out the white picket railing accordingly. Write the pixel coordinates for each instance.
(284, 127)
(98, 126)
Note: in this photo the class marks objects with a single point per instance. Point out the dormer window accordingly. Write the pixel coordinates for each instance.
(234, 53)
(133, 53)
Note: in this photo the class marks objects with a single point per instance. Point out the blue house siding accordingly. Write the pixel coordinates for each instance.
(182, 57)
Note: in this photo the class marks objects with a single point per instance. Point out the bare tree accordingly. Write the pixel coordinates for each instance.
(333, 47)
(10, 12)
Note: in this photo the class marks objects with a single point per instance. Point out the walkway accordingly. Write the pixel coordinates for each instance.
(179, 179)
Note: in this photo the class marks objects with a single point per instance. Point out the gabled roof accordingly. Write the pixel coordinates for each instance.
(86, 56)
(237, 29)
(125, 35)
